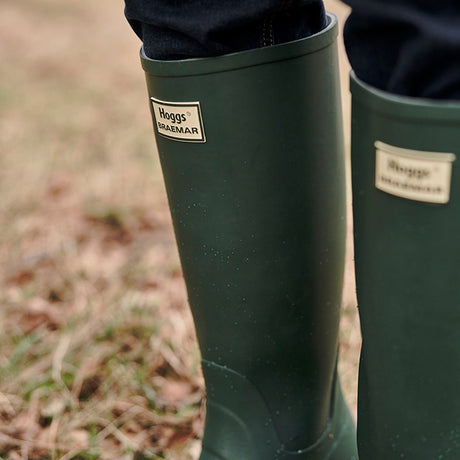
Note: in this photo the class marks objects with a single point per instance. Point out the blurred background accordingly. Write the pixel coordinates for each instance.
(98, 358)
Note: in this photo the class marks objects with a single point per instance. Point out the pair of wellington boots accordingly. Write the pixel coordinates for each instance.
(252, 155)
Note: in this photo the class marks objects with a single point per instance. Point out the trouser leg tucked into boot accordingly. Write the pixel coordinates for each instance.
(251, 151)
(406, 205)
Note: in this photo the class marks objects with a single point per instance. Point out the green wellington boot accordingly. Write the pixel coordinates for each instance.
(251, 151)
(406, 200)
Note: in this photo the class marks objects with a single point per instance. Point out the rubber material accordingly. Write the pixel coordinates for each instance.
(258, 206)
(250, 419)
(407, 256)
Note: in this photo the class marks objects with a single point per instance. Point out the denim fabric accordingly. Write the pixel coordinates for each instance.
(180, 29)
(409, 47)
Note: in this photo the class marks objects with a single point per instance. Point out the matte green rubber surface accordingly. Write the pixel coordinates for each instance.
(407, 256)
(257, 199)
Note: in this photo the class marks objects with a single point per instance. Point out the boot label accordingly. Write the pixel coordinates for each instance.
(413, 174)
(181, 121)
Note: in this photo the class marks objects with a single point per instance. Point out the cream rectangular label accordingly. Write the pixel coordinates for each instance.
(181, 121)
(413, 174)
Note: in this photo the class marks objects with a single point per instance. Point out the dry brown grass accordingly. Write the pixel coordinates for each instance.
(97, 353)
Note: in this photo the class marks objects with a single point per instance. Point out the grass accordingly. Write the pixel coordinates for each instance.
(98, 358)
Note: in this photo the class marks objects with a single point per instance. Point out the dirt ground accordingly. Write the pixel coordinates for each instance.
(98, 357)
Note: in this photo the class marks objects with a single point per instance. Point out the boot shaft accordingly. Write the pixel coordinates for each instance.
(252, 155)
(406, 203)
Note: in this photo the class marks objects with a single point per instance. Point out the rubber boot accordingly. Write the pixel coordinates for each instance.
(406, 204)
(251, 150)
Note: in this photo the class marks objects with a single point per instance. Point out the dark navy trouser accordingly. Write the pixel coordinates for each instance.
(409, 47)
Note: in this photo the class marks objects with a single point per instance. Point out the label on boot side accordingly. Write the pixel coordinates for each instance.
(413, 174)
(181, 121)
